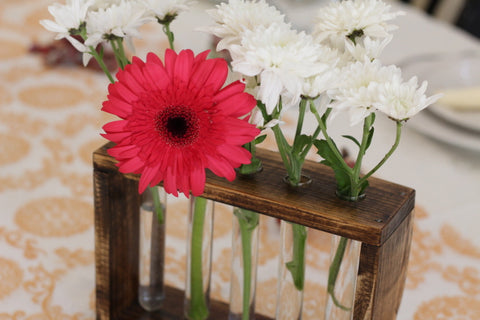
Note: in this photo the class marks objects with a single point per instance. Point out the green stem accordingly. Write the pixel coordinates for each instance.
(283, 147)
(82, 32)
(255, 163)
(355, 177)
(248, 221)
(297, 265)
(301, 116)
(334, 270)
(157, 204)
(303, 155)
(198, 305)
(323, 128)
(119, 52)
(169, 34)
(387, 155)
(99, 58)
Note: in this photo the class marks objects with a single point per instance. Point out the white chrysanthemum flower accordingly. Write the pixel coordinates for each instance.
(281, 58)
(238, 16)
(121, 20)
(358, 88)
(69, 18)
(104, 4)
(365, 49)
(402, 100)
(324, 79)
(163, 9)
(353, 19)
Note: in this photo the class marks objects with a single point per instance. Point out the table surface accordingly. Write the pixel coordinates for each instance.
(50, 123)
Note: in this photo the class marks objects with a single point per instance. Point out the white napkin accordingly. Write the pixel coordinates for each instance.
(461, 99)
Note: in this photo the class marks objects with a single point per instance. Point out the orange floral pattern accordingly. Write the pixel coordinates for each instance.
(50, 124)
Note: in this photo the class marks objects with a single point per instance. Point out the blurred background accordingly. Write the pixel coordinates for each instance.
(50, 121)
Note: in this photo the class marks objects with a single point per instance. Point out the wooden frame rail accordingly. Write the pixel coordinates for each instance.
(383, 222)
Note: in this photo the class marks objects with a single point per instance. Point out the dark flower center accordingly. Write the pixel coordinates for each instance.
(179, 125)
(357, 33)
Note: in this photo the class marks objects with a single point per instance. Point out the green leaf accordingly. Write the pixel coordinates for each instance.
(324, 150)
(300, 143)
(260, 139)
(370, 138)
(352, 139)
(373, 115)
(264, 112)
(341, 175)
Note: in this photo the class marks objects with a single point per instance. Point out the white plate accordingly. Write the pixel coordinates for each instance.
(450, 71)
(434, 128)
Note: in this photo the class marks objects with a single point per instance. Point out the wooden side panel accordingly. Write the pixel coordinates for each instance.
(116, 242)
(382, 274)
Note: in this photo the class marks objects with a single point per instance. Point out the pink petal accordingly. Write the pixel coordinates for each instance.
(152, 58)
(125, 92)
(235, 154)
(146, 178)
(221, 168)
(131, 82)
(170, 58)
(202, 56)
(123, 152)
(136, 62)
(116, 137)
(239, 131)
(183, 66)
(197, 181)
(237, 105)
(170, 181)
(130, 166)
(157, 76)
(230, 90)
(212, 72)
(117, 106)
(115, 126)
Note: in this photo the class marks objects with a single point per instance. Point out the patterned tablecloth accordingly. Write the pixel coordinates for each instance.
(49, 126)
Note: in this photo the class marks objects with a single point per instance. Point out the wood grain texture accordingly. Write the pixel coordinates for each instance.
(117, 206)
(116, 242)
(371, 220)
(382, 274)
(173, 309)
(382, 222)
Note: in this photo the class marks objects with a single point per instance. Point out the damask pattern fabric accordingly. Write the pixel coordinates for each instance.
(50, 121)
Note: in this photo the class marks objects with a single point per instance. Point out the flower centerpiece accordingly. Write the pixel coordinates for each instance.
(335, 69)
(178, 117)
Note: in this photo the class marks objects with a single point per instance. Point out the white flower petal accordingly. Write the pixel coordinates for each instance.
(77, 44)
(232, 19)
(86, 58)
(338, 20)
(401, 100)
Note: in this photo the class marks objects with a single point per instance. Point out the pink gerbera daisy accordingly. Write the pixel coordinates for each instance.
(177, 120)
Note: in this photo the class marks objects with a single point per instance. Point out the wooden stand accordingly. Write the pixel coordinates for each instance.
(383, 222)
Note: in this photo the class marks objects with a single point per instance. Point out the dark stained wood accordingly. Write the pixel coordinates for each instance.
(117, 206)
(116, 242)
(371, 220)
(382, 222)
(173, 309)
(382, 274)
